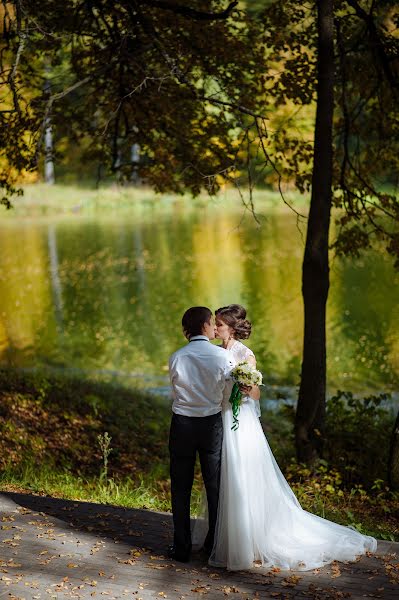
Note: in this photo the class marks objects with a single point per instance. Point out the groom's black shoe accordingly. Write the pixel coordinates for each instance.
(179, 556)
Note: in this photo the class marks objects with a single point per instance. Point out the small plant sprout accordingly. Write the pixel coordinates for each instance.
(104, 440)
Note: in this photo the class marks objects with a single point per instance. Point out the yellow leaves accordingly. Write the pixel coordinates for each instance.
(72, 566)
(11, 542)
(23, 511)
(336, 571)
(291, 581)
(32, 584)
(129, 561)
(41, 524)
(12, 564)
(142, 586)
(96, 548)
(201, 589)
(391, 569)
(227, 589)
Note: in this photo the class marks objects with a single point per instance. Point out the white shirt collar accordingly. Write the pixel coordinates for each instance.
(199, 337)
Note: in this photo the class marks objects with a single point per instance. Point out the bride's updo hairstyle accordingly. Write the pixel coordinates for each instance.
(234, 315)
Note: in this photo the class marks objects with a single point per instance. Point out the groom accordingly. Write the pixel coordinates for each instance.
(199, 375)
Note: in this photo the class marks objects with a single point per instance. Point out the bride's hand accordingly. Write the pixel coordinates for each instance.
(252, 391)
(245, 389)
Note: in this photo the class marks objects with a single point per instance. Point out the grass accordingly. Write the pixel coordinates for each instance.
(142, 492)
(41, 200)
(49, 440)
(52, 442)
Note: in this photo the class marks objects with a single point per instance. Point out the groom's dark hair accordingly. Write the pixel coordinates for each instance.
(193, 320)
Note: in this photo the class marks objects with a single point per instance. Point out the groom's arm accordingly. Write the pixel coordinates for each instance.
(172, 374)
(228, 380)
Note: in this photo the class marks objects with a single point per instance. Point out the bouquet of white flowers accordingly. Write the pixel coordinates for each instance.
(242, 374)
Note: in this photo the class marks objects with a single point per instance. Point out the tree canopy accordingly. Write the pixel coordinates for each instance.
(212, 91)
(168, 77)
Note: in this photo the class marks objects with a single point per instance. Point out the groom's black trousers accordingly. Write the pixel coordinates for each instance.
(189, 435)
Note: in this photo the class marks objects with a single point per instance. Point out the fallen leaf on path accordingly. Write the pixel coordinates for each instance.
(11, 563)
(291, 581)
(229, 589)
(201, 589)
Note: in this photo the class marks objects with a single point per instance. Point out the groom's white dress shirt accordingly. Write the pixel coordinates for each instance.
(199, 375)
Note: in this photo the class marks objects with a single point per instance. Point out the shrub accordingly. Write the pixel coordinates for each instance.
(357, 437)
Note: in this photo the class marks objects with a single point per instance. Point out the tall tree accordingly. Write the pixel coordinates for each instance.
(351, 52)
(315, 276)
(393, 464)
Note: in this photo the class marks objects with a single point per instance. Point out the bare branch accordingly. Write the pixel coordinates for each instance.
(276, 170)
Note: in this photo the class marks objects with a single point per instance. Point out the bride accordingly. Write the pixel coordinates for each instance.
(259, 517)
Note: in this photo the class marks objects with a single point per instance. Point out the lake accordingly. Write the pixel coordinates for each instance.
(104, 293)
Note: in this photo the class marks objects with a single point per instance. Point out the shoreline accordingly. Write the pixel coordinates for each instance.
(71, 201)
(273, 395)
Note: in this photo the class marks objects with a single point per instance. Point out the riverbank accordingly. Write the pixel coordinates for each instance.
(41, 200)
(98, 442)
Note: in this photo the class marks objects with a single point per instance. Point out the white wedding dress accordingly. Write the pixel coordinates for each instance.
(259, 517)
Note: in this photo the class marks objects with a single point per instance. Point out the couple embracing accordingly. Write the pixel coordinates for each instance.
(253, 515)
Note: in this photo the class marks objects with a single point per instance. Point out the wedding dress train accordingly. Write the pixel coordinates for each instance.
(259, 517)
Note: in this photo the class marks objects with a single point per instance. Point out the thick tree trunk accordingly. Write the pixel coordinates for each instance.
(310, 413)
(393, 466)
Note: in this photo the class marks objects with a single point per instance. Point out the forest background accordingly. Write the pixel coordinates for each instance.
(185, 97)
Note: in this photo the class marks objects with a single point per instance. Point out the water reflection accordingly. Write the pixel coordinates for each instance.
(109, 294)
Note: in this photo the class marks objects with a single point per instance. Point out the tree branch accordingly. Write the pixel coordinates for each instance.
(49, 105)
(376, 39)
(190, 13)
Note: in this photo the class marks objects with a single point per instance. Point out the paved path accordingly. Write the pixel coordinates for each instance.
(52, 548)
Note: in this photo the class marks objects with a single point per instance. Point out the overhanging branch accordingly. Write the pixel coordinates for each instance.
(190, 13)
(378, 44)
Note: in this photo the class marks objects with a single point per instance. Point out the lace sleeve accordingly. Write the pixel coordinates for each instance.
(245, 352)
(248, 353)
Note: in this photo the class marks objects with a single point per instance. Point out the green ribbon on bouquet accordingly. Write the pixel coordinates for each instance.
(235, 401)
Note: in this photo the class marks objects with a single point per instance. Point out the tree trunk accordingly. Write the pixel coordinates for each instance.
(393, 465)
(49, 175)
(309, 422)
